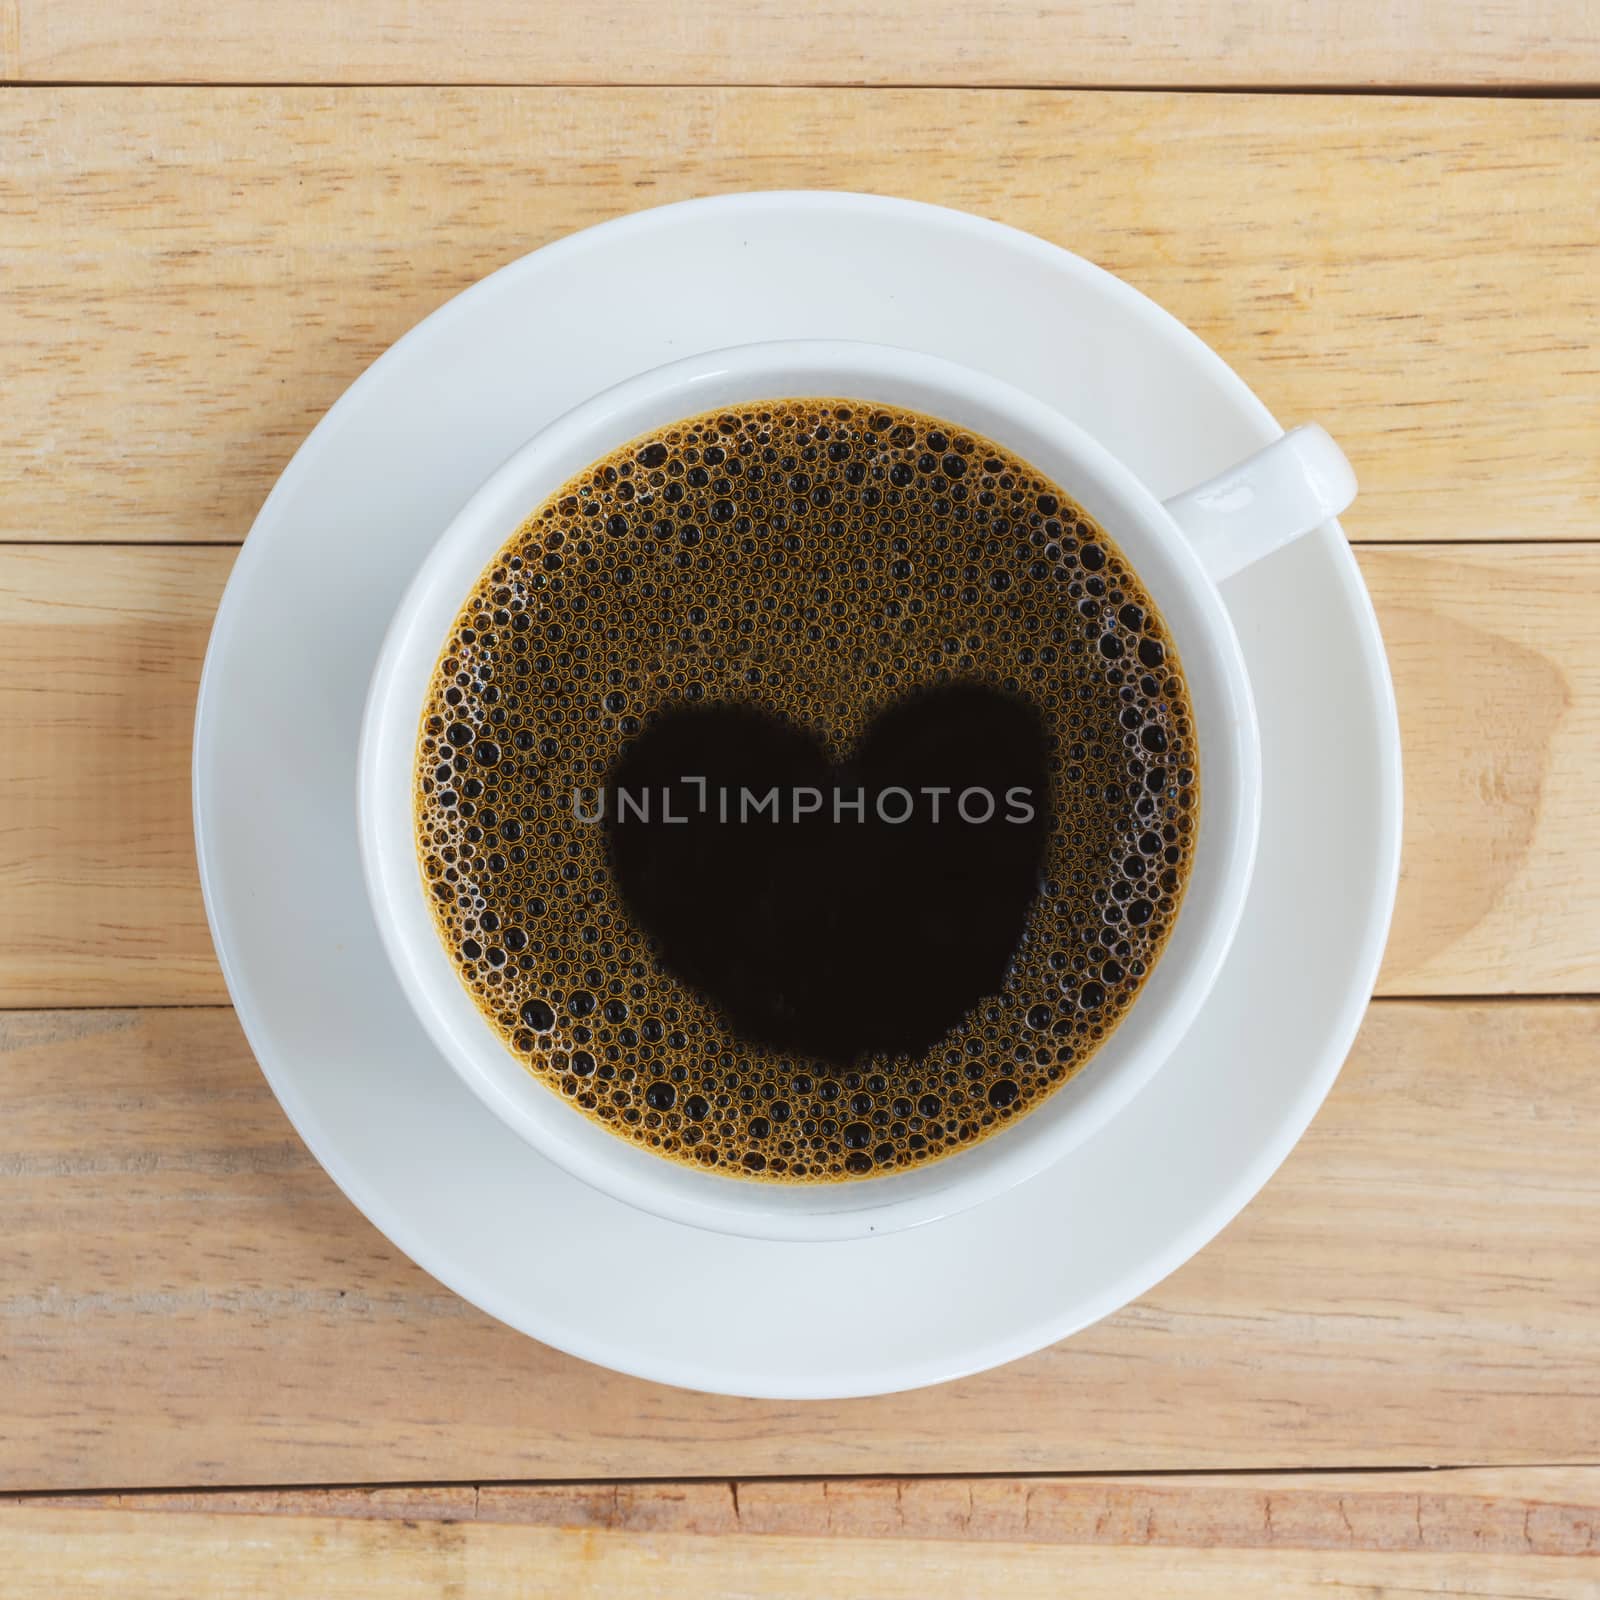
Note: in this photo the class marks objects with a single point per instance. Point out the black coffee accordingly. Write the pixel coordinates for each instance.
(836, 912)
(806, 791)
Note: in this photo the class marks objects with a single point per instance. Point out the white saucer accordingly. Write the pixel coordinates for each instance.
(274, 781)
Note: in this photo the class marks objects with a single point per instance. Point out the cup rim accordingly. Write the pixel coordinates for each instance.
(1203, 929)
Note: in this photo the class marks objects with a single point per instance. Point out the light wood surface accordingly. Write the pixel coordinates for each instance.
(188, 1300)
(191, 278)
(100, 654)
(1184, 43)
(1521, 1532)
(1496, 660)
(1494, 650)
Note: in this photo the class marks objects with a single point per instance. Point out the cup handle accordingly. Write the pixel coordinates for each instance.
(1269, 499)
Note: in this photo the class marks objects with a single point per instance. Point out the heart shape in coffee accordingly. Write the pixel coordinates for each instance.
(836, 911)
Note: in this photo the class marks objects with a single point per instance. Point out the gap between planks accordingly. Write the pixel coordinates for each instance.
(1440, 1470)
(1380, 91)
(1517, 1512)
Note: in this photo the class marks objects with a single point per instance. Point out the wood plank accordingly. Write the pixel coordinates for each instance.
(1496, 660)
(1525, 1511)
(1416, 1286)
(1184, 43)
(100, 654)
(49, 1550)
(193, 276)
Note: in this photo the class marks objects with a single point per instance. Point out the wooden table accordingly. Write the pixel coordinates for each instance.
(216, 1378)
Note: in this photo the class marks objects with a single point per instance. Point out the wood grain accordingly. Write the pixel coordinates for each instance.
(1522, 1532)
(1184, 43)
(187, 1300)
(1528, 1511)
(100, 655)
(1497, 669)
(193, 276)
(1496, 662)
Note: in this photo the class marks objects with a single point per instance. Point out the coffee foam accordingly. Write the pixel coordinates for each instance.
(817, 560)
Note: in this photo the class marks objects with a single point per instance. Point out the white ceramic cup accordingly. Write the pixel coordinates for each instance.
(1180, 550)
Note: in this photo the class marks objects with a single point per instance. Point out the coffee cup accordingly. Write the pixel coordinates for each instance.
(1181, 550)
